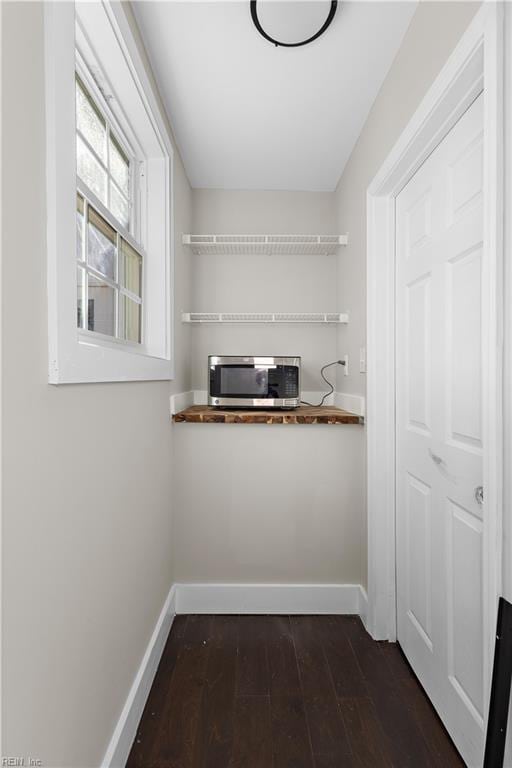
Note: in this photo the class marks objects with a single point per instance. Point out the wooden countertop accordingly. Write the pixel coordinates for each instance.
(305, 414)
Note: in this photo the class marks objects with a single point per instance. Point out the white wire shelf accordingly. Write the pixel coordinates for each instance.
(265, 317)
(261, 245)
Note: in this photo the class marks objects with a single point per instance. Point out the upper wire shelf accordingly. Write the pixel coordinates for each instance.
(261, 245)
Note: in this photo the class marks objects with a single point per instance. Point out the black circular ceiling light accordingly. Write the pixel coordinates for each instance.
(279, 43)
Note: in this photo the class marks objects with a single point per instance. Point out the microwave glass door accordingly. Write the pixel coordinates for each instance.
(254, 381)
(243, 381)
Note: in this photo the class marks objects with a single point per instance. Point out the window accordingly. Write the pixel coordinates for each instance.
(109, 269)
(109, 192)
(109, 278)
(102, 163)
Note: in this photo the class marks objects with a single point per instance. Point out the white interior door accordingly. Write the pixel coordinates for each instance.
(439, 219)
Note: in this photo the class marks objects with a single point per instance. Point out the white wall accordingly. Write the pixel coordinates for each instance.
(86, 472)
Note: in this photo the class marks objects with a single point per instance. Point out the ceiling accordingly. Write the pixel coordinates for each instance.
(248, 115)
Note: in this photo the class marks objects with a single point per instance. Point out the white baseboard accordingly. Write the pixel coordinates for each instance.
(363, 606)
(316, 397)
(348, 402)
(200, 397)
(180, 401)
(126, 728)
(270, 598)
(352, 403)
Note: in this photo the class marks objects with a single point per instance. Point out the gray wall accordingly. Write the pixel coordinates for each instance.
(264, 283)
(258, 503)
(278, 503)
(435, 30)
(87, 483)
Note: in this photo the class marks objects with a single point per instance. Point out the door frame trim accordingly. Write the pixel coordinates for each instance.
(476, 65)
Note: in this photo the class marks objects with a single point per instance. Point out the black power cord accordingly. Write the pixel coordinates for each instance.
(335, 362)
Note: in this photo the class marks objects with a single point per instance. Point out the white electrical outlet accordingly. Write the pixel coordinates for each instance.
(345, 367)
(362, 360)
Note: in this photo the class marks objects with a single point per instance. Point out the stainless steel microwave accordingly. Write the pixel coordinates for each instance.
(254, 382)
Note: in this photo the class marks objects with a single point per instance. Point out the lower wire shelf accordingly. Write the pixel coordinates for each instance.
(265, 317)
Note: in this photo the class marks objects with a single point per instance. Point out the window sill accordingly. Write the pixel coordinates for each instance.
(90, 362)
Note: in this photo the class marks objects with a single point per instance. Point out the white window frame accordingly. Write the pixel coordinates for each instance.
(106, 38)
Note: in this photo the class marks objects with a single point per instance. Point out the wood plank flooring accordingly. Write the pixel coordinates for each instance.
(286, 692)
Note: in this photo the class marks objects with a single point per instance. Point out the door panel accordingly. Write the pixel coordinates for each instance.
(439, 448)
(464, 349)
(419, 223)
(465, 178)
(418, 558)
(418, 357)
(465, 608)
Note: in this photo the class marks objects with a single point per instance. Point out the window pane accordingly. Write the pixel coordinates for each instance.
(79, 226)
(80, 277)
(119, 167)
(119, 206)
(101, 245)
(90, 122)
(90, 171)
(132, 268)
(101, 307)
(132, 315)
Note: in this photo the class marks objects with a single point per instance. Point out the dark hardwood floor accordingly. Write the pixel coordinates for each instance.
(286, 692)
